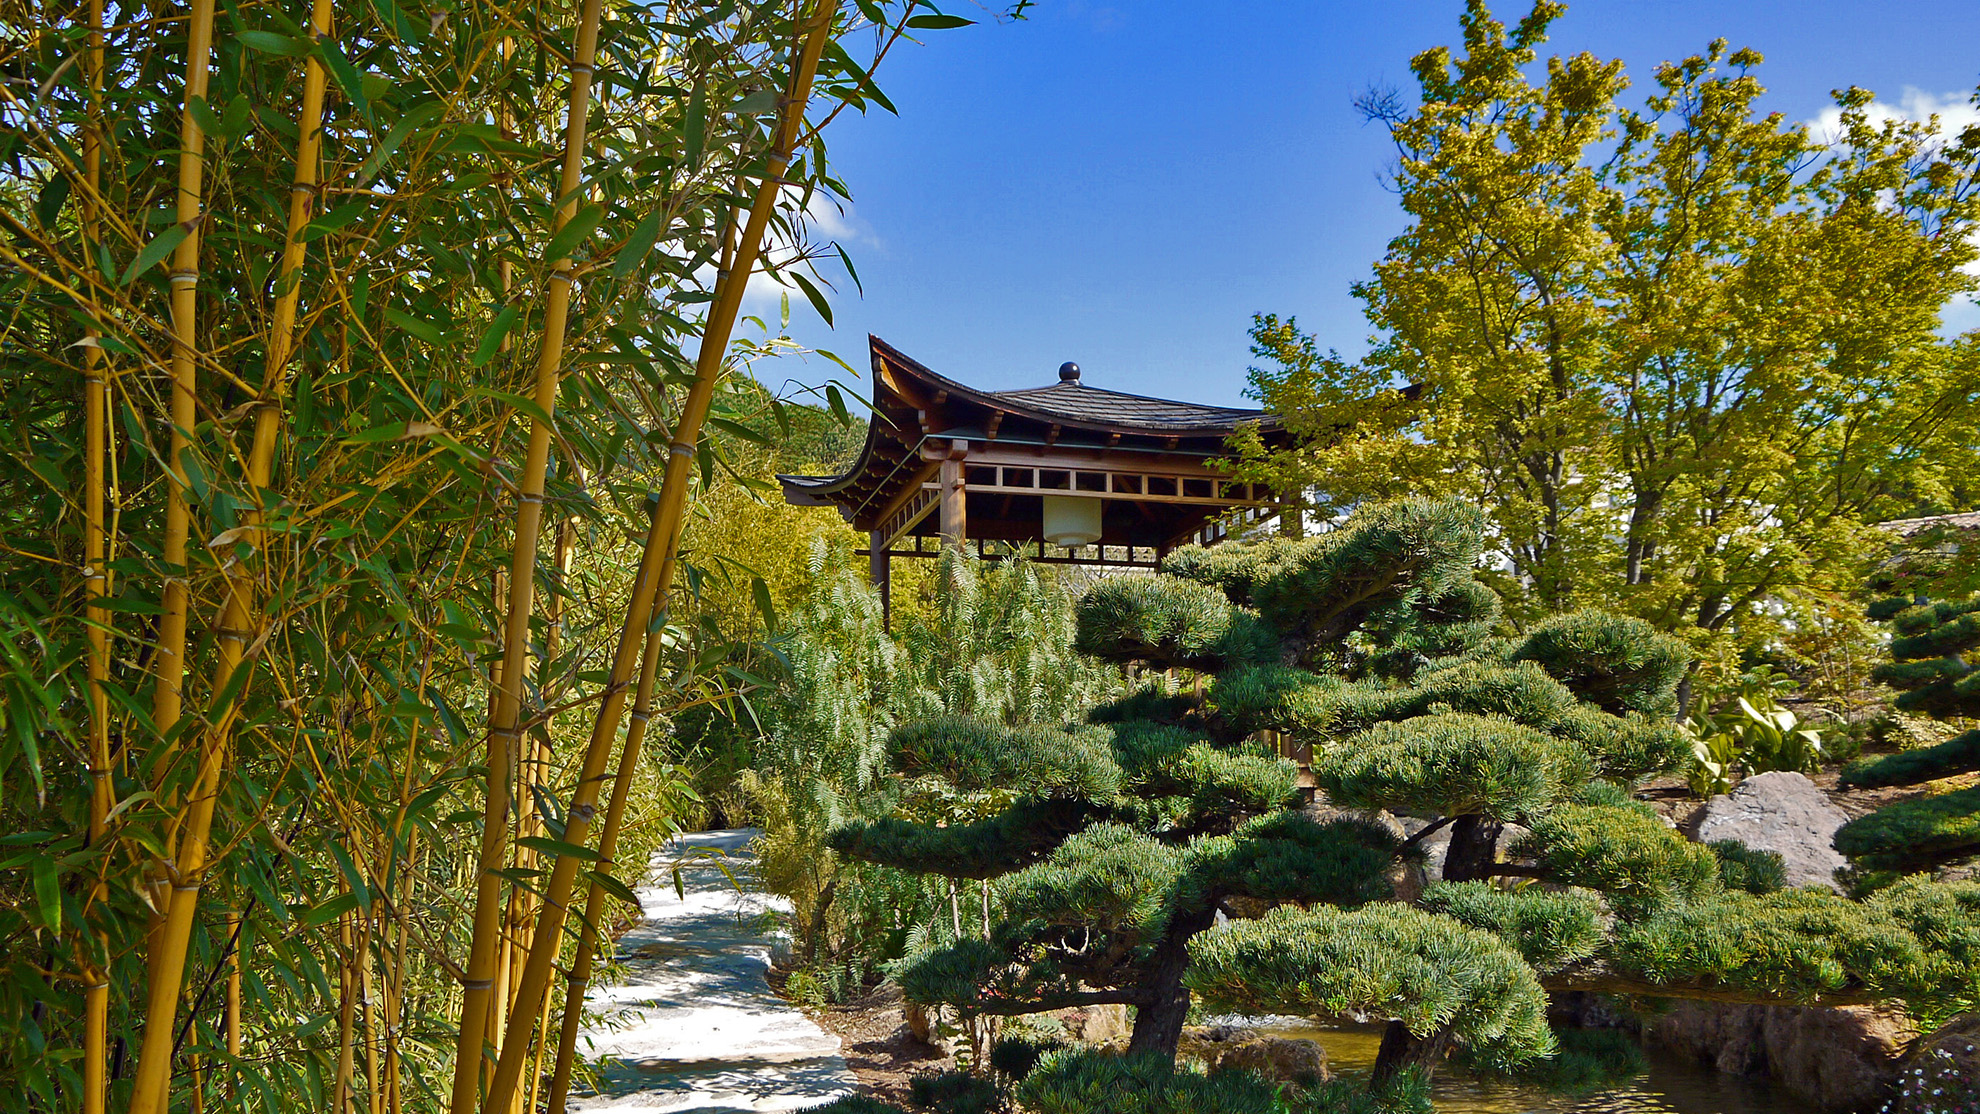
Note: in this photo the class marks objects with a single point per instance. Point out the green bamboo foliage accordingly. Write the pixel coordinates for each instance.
(281, 402)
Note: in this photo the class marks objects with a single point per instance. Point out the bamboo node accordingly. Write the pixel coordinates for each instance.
(681, 448)
(477, 984)
(185, 278)
(584, 812)
(531, 497)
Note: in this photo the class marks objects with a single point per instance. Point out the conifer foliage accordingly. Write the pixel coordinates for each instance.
(1931, 645)
(1161, 853)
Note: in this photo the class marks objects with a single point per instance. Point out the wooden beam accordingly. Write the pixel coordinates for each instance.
(880, 569)
(954, 495)
(996, 419)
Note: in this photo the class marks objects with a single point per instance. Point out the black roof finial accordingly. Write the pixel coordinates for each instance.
(1069, 373)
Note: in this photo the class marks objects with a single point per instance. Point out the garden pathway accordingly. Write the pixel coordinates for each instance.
(694, 1026)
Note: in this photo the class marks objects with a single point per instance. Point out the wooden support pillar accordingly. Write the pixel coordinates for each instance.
(880, 569)
(955, 517)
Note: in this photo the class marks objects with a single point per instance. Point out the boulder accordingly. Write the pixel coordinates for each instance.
(1280, 1059)
(1097, 1024)
(1839, 1058)
(1780, 812)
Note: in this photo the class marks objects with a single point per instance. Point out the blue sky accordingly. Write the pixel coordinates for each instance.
(1123, 184)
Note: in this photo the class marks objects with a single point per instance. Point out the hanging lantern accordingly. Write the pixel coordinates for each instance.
(1071, 522)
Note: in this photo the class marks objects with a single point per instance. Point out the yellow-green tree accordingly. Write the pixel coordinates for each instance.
(1682, 350)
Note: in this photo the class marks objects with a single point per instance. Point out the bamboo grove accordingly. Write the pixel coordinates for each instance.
(361, 364)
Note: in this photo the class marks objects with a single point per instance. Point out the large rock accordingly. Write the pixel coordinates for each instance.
(1281, 1059)
(1840, 1058)
(1784, 813)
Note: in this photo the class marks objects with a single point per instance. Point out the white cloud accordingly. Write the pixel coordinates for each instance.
(1956, 112)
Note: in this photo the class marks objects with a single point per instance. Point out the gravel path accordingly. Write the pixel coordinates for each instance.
(695, 1026)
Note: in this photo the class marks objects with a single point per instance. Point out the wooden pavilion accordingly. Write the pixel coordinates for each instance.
(1086, 476)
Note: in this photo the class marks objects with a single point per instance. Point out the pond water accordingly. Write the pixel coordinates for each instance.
(1669, 1087)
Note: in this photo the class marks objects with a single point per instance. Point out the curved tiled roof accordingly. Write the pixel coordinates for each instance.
(1077, 402)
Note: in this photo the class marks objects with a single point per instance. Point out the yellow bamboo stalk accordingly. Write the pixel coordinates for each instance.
(657, 561)
(347, 994)
(169, 662)
(477, 982)
(236, 931)
(594, 902)
(96, 585)
(153, 1079)
(367, 993)
(167, 948)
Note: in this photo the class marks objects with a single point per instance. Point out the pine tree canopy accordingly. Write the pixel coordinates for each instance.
(1163, 850)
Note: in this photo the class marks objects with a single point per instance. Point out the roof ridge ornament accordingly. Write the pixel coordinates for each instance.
(1069, 373)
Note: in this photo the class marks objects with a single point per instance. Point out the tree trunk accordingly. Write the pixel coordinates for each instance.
(1474, 849)
(1158, 1020)
(1402, 1050)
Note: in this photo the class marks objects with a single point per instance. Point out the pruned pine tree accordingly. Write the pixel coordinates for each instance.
(1160, 854)
(1932, 645)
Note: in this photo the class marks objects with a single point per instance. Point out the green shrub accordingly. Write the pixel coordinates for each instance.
(1178, 622)
(1914, 833)
(1638, 863)
(1586, 1060)
(1743, 868)
(1407, 1093)
(1452, 765)
(1795, 942)
(1428, 971)
(1092, 1081)
(1014, 1057)
(1617, 663)
(1549, 930)
(855, 1104)
(1910, 767)
(954, 1092)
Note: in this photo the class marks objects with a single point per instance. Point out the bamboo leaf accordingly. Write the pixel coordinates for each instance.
(48, 204)
(335, 219)
(938, 22)
(267, 42)
(764, 605)
(757, 103)
(615, 887)
(644, 235)
(581, 225)
(48, 892)
(737, 429)
(817, 299)
(330, 910)
(423, 329)
(491, 340)
(160, 247)
(346, 74)
(696, 127)
(208, 120)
